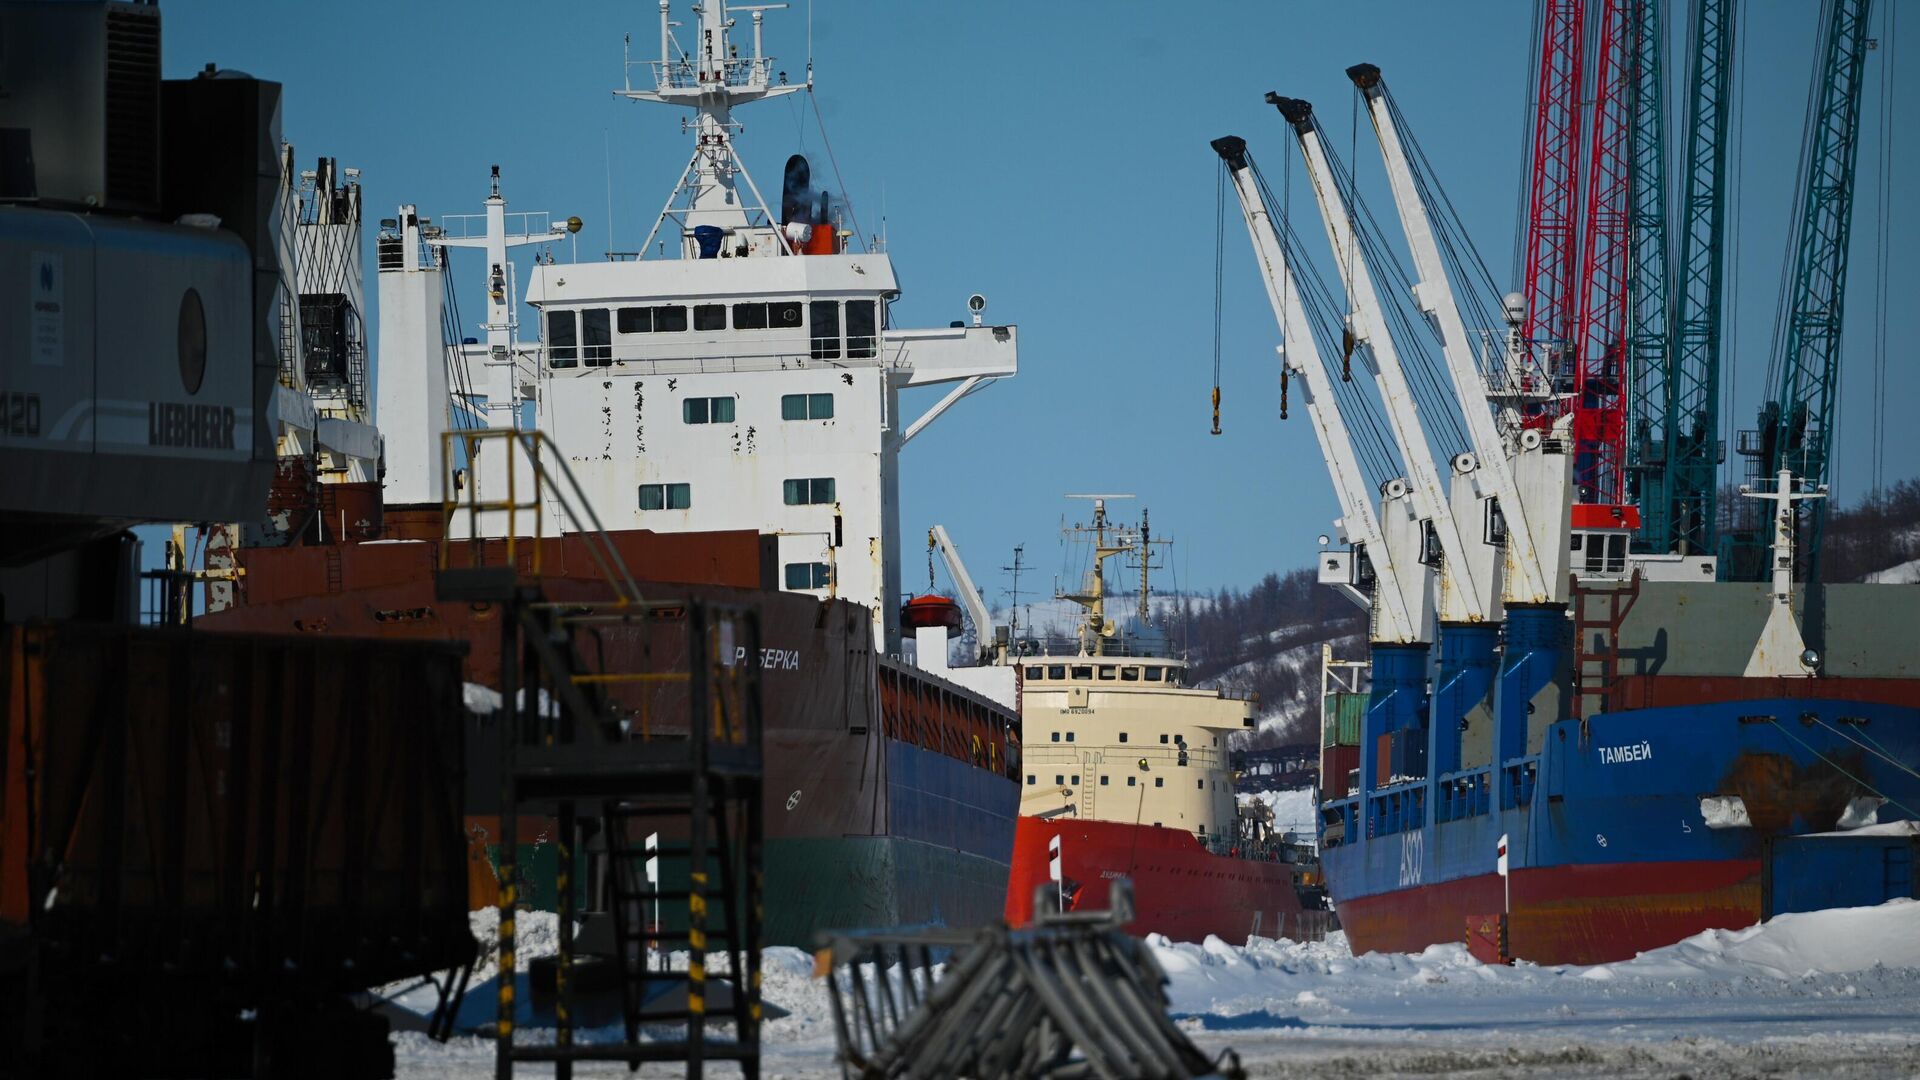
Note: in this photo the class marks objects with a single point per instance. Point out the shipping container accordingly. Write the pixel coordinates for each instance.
(1336, 763)
(1859, 869)
(1341, 719)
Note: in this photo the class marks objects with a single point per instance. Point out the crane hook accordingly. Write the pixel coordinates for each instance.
(1216, 410)
(1347, 343)
(1283, 392)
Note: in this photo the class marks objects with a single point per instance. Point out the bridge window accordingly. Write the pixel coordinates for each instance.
(1069, 736)
(1103, 779)
(666, 496)
(1076, 778)
(1201, 784)
(1033, 671)
(812, 491)
(1159, 781)
(710, 316)
(1031, 779)
(806, 406)
(663, 319)
(778, 315)
(1056, 736)
(862, 341)
(1060, 779)
(1132, 780)
(809, 575)
(562, 339)
(1129, 674)
(1106, 672)
(1163, 738)
(701, 410)
(596, 337)
(825, 317)
(1123, 736)
(1083, 671)
(1056, 671)
(1155, 674)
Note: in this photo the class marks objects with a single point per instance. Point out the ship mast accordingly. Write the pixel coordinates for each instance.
(711, 79)
(1095, 630)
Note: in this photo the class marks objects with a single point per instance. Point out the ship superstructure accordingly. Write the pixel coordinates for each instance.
(739, 372)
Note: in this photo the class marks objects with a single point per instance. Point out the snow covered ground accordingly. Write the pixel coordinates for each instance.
(1835, 993)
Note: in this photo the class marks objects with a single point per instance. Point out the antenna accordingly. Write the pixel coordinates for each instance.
(1013, 594)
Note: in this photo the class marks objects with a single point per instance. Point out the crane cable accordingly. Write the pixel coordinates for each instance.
(1883, 183)
(1219, 279)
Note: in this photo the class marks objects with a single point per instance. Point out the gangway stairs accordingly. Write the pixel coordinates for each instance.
(668, 746)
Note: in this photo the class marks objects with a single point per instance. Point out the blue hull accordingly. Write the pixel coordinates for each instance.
(1607, 825)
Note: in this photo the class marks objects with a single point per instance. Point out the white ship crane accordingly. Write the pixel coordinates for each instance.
(1465, 596)
(1530, 578)
(963, 584)
(1400, 594)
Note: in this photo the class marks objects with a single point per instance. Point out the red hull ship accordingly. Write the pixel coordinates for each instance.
(1126, 774)
(1180, 888)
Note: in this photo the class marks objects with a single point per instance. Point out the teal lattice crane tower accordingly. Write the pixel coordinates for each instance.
(1649, 351)
(1795, 430)
(1688, 481)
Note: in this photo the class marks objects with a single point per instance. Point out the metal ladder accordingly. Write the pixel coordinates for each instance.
(570, 744)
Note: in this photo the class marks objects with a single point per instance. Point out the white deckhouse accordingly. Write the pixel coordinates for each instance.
(739, 372)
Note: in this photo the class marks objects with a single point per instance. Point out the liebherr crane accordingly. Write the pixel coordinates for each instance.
(1400, 595)
(1466, 589)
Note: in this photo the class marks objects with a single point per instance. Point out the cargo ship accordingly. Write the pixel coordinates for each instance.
(1127, 774)
(728, 400)
(1579, 734)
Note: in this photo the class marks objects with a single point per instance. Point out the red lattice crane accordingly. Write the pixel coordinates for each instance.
(1599, 402)
(1574, 325)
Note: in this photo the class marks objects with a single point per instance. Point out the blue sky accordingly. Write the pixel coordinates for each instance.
(1053, 157)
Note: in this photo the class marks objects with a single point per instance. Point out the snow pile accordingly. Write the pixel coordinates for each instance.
(1907, 573)
(1269, 983)
(1797, 946)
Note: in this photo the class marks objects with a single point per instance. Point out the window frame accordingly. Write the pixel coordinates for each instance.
(596, 342)
(562, 354)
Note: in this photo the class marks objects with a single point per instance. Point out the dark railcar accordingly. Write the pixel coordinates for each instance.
(204, 829)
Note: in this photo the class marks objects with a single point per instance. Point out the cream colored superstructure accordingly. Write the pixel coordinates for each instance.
(1121, 738)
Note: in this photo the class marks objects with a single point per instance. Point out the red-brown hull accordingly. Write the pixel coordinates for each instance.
(1180, 889)
(1585, 914)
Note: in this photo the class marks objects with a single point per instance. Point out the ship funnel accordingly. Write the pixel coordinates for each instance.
(796, 193)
